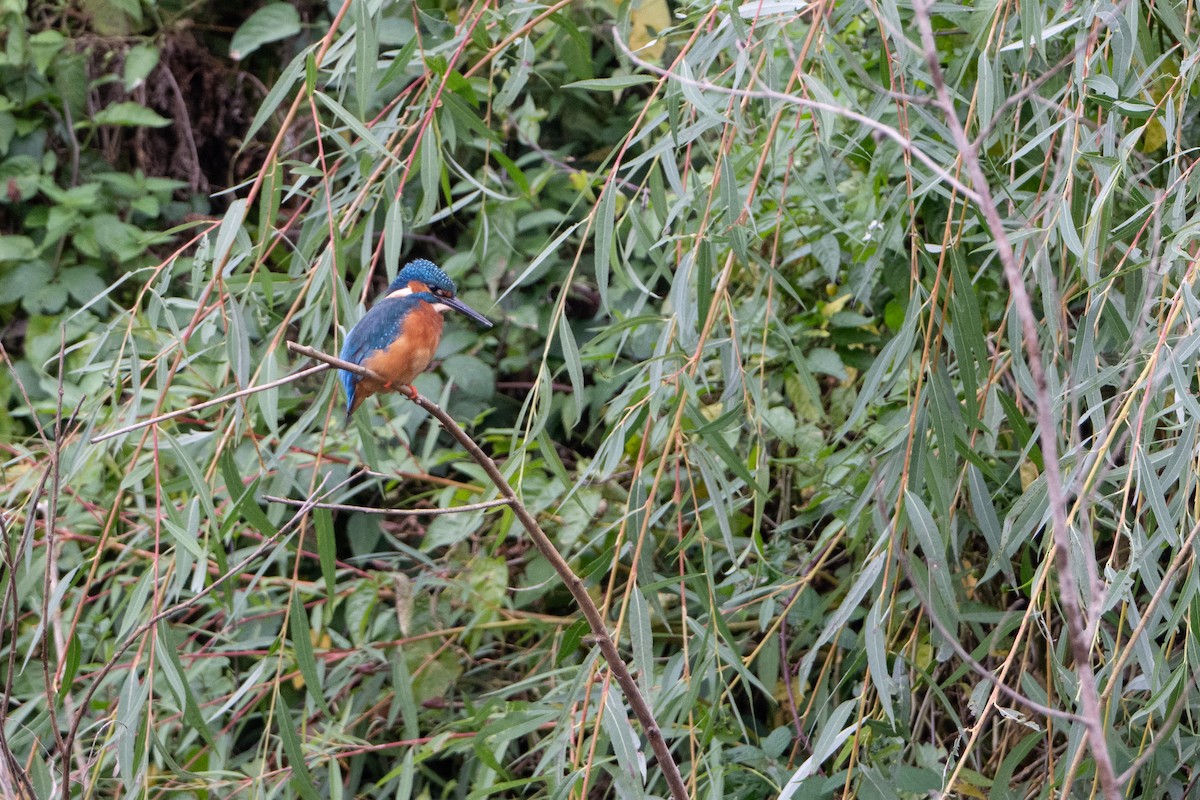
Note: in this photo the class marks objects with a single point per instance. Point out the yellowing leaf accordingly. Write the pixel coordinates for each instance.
(1029, 473)
(969, 790)
(712, 411)
(1154, 136)
(404, 602)
(834, 306)
(646, 21)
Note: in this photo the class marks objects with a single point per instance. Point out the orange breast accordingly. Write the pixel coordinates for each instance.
(409, 355)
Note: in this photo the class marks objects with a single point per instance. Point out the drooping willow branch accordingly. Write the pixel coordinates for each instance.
(1079, 633)
(574, 584)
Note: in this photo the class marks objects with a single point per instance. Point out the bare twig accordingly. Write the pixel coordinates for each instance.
(216, 401)
(398, 512)
(574, 584)
(48, 576)
(1092, 716)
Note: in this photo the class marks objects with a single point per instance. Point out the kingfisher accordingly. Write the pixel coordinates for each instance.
(399, 335)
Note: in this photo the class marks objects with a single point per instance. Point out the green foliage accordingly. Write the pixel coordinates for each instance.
(70, 222)
(756, 370)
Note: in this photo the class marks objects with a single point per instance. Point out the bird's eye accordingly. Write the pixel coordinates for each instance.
(439, 292)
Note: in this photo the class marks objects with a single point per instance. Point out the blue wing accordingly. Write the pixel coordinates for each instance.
(375, 331)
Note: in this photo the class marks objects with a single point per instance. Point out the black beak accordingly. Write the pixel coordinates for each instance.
(459, 305)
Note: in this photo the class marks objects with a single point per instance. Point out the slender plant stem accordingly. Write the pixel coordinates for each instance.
(1089, 698)
(11, 772)
(216, 401)
(574, 584)
(399, 512)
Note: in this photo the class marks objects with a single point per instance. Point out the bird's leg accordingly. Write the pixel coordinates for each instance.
(405, 389)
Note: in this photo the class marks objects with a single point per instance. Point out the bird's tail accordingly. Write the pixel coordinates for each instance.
(350, 384)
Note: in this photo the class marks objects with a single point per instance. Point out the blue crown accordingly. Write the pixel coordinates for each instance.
(425, 272)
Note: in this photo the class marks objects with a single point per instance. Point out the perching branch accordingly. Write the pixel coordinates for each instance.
(574, 584)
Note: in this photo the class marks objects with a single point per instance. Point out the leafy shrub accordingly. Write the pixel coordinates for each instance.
(757, 369)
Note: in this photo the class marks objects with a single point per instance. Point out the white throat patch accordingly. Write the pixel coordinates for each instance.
(405, 291)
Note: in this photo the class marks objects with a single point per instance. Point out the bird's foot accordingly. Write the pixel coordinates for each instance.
(408, 391)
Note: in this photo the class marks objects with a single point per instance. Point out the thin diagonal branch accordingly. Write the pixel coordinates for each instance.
(573, 582)
(875, 125)
(216, 401)
(398, 512)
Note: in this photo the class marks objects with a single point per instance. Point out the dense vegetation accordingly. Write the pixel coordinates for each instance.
(846, 351)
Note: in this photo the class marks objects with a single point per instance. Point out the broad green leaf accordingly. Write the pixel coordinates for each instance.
(270, 23)
(140, 61)
(126, 113)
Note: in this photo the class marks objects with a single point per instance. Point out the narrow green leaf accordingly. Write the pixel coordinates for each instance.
(518, 76)
(283, 86)
(292, 748)
(570, 351)
(303, 648)
(716, 442)
(641, 640)
(268, 202)
(610, 84)
(364, 134)
(874, 636)
(603, 240)
(830, 736)
(168, 649)
(1021, 428)
(244, 497)
(404, 701)
(229, 232)
(929, 537)
(366, 56)
(327, 550)
(547, 251)
(393, 237)
(71, 666)
(131, 709)
(310, 74)
(625, 742)
(572, 639)
(127, 114)
(431, 174)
